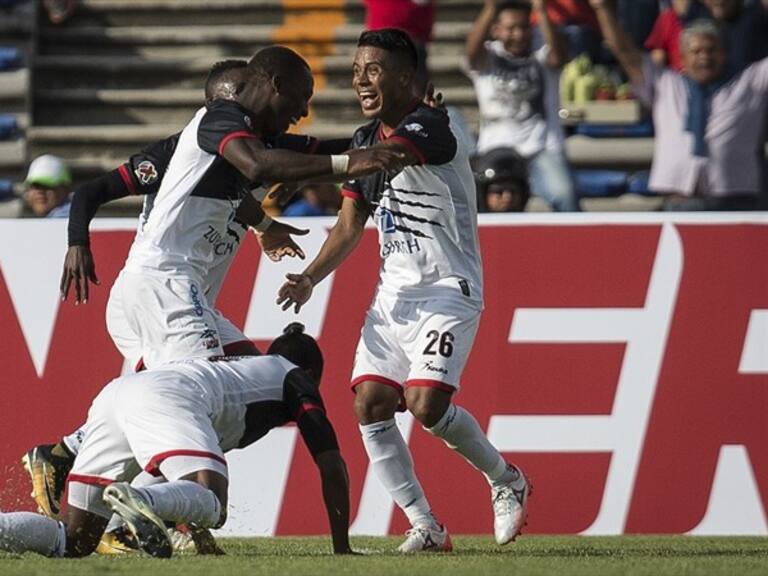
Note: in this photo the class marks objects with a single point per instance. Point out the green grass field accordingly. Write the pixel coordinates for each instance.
(532, 555)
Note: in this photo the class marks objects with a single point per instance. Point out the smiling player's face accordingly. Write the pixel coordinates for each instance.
(378, 81)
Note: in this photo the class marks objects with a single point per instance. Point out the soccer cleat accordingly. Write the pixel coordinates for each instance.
(510, 508)
(48, 466)
(147, 528)
(119, 541)
(426, 539)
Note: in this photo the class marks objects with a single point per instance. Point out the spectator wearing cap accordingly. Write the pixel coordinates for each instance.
(502, 181)
(48, 187)
(709, 143)
(518, 94)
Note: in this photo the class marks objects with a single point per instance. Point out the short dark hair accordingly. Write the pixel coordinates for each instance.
(277, 61)
(220, 73)
(300, 348)
(516, 5)
(392, 40)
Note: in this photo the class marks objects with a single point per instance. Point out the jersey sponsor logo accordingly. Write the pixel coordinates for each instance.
(220, 245)
(386, 221)
(429, 366)
(418, 129)
(194, 293)
(409, 246)
(146, 172)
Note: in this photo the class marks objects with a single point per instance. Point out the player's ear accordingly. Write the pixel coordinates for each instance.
(276, 83)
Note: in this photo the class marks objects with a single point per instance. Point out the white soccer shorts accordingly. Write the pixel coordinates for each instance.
(160, 319)
(148, 421)
(416, 343)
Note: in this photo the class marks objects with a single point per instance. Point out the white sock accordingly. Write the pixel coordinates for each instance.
(29, 532)
(393, 465)
(75, 440)
(141, 480)
(184, 502)
(461, 432)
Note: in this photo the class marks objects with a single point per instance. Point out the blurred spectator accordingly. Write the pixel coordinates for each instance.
(518, 94)
(576, 21)
(321, 199)
(744, 29)
(415, 17)
(664, 41)
(637, 17)
(59, 10)
(710, 141)
(48, 187)
(502, 181)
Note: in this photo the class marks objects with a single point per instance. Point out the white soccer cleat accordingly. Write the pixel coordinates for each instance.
(426, 539)
(510, 508)
(146, 526)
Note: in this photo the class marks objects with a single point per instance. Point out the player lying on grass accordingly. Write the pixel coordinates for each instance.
(177, 421)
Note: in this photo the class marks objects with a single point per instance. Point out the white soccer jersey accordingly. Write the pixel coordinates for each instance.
(191, 221)
(427, 214)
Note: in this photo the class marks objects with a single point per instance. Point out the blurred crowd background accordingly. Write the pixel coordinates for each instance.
(568, 105)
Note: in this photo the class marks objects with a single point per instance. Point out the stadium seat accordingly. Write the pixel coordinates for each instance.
(600, 183)
(10, 58)
(638, 183)
(6, 190)
(8, 126)
(639, 130)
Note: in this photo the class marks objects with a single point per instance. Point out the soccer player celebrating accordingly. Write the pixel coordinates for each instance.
(160, 308)
(177, 421)
(419, 330)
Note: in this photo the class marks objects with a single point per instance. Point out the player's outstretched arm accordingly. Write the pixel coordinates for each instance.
(275, 238)
(260, 164)
(79, 266)
(343, 238)
(335, 481)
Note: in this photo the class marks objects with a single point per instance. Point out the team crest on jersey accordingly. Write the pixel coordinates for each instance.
(146, 172)
(416, 128)
(386, 221)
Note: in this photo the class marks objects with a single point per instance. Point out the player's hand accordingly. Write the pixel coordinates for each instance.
(432, 99)
(80, 269)
(295, 292)
(377, 159)
(276, 241)
(284, 191)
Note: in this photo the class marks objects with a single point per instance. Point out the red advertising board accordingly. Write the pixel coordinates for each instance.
(621, 361)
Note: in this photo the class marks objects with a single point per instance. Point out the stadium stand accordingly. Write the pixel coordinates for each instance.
(122, 73)
(16, 44)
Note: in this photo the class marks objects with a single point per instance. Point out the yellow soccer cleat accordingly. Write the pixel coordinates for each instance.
(48, 466)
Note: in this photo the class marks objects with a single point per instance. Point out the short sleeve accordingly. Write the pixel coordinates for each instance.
(427, 133)
(143, 173)
(223, 121)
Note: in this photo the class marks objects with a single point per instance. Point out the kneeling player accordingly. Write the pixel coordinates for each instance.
(178, 421)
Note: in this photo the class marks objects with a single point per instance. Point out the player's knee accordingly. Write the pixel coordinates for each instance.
(375, 403)
(426, 406)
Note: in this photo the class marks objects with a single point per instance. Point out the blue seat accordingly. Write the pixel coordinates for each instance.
(600, 183)
(638, 183)
(639, 130)
(6, 190)
(8, 126)
(10, 58)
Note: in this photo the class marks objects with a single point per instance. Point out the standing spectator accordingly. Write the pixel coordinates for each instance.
(48, 187)
(709, 126)
(744, 28)
(518, 94)
(664, 41)
(416, 17)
